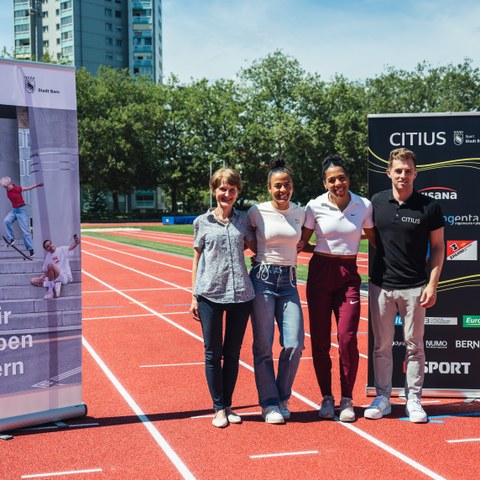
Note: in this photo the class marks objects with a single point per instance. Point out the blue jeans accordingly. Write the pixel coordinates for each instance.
(21, 215)
(221, 379)
(277, 300)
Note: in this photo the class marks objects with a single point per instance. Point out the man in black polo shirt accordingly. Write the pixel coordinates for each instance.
(409, 233)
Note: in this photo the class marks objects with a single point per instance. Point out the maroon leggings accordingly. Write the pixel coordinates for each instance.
(333, 285)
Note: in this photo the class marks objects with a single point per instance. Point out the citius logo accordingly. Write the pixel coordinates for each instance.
(398, 139)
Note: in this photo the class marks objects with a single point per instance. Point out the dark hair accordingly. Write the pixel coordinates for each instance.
(334, 160)
(45, 241)
(278, 166)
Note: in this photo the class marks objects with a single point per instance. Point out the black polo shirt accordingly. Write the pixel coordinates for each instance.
(402, 235)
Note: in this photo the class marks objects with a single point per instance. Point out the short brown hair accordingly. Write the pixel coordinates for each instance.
(232, 177)
(401, 154)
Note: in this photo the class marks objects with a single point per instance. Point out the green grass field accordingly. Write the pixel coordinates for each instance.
(302, 270)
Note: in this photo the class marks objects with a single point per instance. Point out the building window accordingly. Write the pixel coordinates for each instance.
(45, 28)
(108, 42)
(118, 42)
(22, 28)
(108, 12)
(66, 20)
(118, 13)
(109, 57)
(108, 27)
(145, 199)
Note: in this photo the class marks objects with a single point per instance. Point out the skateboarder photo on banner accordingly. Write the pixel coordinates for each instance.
(56, 268)
(18, 213)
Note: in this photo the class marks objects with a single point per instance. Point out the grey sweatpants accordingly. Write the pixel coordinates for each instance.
(384, 305)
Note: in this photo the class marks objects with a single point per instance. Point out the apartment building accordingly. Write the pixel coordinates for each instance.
(90, 33)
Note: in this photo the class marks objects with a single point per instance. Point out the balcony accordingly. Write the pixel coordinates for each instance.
(142, 48)
(142, 63)
(143, 19)
(141, 5)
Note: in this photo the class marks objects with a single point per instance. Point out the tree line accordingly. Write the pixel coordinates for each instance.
(134, 134)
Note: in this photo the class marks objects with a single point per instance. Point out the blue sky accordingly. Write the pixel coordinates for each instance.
(355, 38)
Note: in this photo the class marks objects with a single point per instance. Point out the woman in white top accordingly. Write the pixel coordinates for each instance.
(333, 284)
(278, 225)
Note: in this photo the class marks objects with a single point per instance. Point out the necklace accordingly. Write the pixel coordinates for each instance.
(219, 216)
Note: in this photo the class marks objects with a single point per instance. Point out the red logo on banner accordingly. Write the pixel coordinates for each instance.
(461, 250)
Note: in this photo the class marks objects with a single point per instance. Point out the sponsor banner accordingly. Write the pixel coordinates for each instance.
(447, 147)
(29, 84)
(461, 249)
(40, 337)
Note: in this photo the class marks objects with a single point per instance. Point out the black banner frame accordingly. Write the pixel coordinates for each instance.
(447, 146)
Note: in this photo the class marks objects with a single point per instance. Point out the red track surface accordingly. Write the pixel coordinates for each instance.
(150, 412)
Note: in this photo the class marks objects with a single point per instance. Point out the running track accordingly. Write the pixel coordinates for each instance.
(150, 412)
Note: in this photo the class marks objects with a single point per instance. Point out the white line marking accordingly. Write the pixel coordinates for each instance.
(171, 454)
(143, 315)
(189, 290)
(285, 454)
(147, 259)
(305, 400)
(131, 290)
(464, 440)
(57, 474)
(173, 365)
(140, 304)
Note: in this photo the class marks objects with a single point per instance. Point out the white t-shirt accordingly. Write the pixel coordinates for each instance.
(60, 258)
(338, 233)
(278, 232)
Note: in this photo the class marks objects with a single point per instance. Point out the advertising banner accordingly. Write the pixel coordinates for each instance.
(40, 273)
(447, 148)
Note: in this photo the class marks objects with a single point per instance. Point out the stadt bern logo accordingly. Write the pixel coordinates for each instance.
(458, 137)
(29, 84)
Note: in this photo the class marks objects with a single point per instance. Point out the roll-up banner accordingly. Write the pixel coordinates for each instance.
(40, 322)
(447, 148)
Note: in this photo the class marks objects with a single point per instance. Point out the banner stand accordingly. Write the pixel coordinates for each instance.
(447, 148)
(39, 418)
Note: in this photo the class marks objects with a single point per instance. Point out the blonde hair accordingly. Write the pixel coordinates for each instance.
(4, 181)
(401, 154)
(228, 175)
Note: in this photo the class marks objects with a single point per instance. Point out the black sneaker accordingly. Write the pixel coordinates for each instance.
(32, 253)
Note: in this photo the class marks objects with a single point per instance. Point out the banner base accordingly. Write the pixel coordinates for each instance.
(432, 392)
(39, 418)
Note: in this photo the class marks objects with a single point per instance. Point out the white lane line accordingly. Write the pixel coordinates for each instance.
(307, 401)
(464, 440)
(189, 290)
(285, 454)
(169, 283)
(162, 443)
(172, 365)
(140, 304)
(147, 259)
(132, 290)
(58, 474)
(143, 315)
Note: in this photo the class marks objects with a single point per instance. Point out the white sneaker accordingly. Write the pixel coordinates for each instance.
(327, 409)
(48, 296)
(378, 409)
(233, 417)
(271, 414)
(415, 411)
(347, 414)
(220, 419)
(284, 410)
(57, 289)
